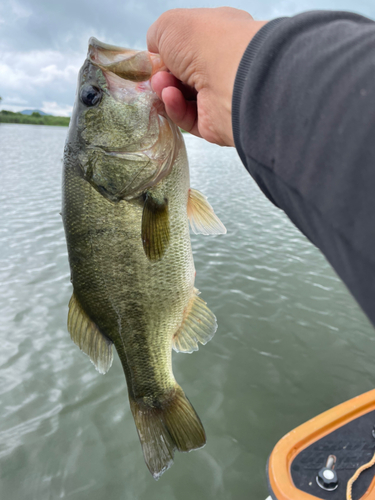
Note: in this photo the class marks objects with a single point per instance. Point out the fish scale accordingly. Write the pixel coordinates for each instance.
(129, 249)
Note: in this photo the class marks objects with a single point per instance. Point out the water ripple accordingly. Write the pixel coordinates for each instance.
(291, 342)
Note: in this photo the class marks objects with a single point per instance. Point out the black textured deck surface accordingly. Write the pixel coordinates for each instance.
(353, 446)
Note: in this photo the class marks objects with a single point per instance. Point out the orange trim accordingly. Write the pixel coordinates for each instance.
(370, 491)
(303, 436)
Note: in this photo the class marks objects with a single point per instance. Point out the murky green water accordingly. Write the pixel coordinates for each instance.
(291, 343)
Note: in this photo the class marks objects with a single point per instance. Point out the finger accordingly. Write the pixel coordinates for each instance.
(166, 35)
(164, 79)
(183, 113)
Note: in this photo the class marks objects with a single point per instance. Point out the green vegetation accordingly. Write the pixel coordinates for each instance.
(37, 119)
(33, 119)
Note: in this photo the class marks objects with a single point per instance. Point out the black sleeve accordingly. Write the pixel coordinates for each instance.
(304, 126)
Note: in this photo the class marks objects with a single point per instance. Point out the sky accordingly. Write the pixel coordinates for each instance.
(43, 43)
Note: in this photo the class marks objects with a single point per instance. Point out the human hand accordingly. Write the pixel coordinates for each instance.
(202, 49)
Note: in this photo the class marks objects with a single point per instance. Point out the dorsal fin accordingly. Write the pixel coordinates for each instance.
(199, 325)
(87, 336)
(202, 217)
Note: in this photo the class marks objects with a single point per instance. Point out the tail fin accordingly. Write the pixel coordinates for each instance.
(161, 430)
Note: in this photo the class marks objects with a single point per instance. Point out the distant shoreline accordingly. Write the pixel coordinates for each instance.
(33, 119)
(38, 119)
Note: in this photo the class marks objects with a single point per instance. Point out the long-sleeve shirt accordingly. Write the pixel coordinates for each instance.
(303, 116)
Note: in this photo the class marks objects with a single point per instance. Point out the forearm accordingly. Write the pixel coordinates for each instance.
(303, 123)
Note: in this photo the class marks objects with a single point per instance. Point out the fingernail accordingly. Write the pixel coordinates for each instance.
(156, 62)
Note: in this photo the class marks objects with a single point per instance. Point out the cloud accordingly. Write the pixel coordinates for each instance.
(12, 107)
(20, 11)
(14, 100)
(43, 43)
(49, 107)
(53, 108)
(38, 77)
(38, 68)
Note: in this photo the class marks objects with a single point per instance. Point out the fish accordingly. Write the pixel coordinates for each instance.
(126, 207)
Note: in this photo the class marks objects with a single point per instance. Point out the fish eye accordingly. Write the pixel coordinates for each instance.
(90, 95)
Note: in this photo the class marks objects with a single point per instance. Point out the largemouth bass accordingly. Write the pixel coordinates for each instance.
(126, 205)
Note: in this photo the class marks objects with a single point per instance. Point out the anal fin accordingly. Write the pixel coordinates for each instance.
(199, 325)
(87, 336)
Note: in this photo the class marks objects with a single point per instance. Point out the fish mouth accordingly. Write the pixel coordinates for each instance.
(128, 64)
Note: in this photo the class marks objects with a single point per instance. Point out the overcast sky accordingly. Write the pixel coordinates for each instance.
(43, 43)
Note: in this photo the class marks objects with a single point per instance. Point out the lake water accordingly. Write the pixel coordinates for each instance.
(291, 343)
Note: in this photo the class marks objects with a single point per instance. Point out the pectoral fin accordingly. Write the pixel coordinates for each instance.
(202, 217)
(199, 325)
(88, 337)
(155, 227)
